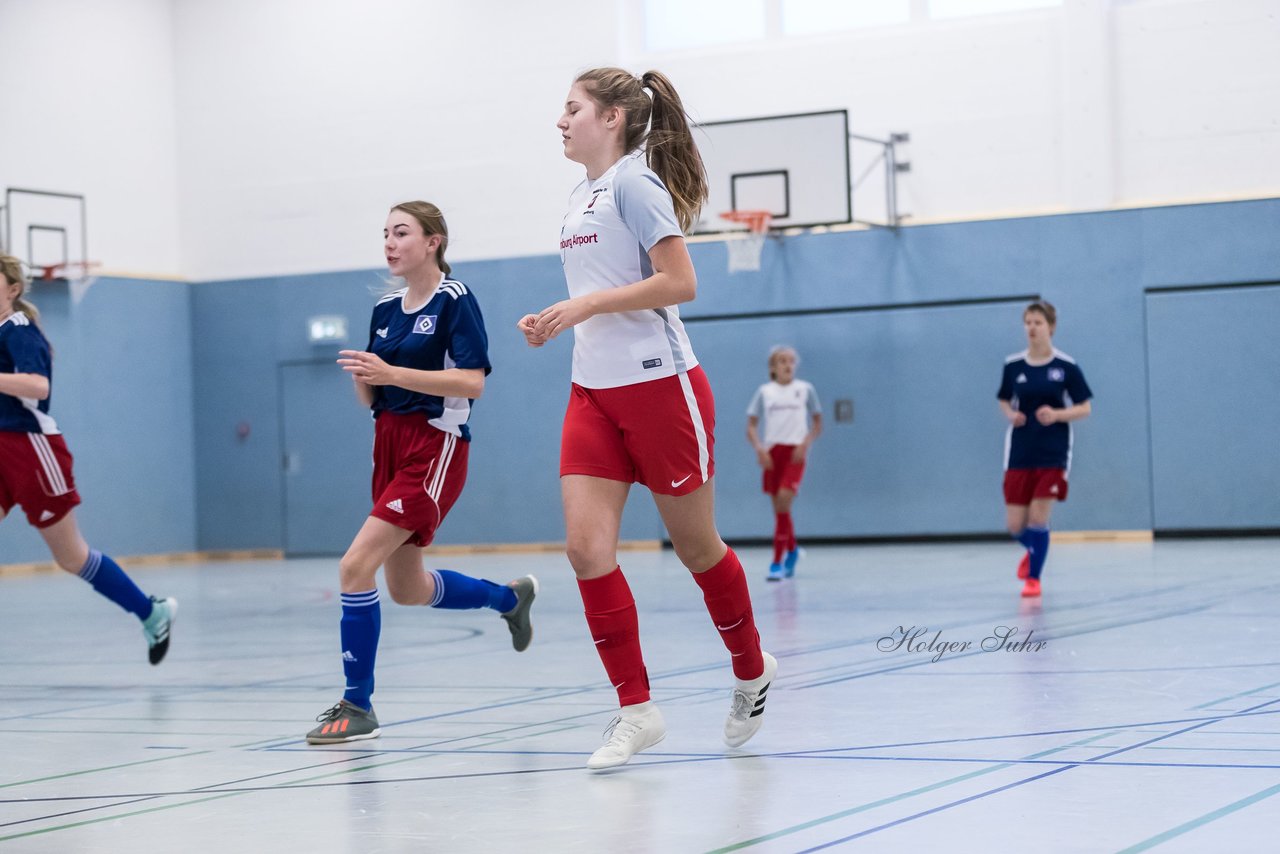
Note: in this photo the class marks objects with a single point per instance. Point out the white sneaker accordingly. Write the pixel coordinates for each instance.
(748, 704)
(635, 728)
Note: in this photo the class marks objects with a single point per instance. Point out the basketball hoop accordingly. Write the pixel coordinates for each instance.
(78, 275)
(746, 248)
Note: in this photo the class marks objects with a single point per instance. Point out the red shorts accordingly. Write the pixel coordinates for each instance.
(35, 472)
(1022, 485)
(418, 473)
(784, 474)
(660, 433)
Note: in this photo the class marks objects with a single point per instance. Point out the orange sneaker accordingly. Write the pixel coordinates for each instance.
(1031, 588)
(1024, 568)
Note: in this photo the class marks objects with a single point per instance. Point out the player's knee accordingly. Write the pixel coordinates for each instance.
(1014, 528)
(698, 557)
(587, 557)
(354, 575)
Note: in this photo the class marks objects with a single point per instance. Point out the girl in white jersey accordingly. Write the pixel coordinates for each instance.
(788, 406)
(640, 410)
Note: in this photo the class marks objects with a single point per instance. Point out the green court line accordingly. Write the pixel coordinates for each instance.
(903, 796)
(115, 817)
(1161, 838)
(1233, 696)
(104, 768)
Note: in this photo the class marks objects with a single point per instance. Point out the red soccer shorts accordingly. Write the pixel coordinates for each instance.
(35, 472)
(418, 473)
(784, 474)
(660, 433)
(1022, 485)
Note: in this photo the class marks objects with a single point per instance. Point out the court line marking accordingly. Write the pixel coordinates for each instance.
(1201, 821)
(778, 834)
(867, 832)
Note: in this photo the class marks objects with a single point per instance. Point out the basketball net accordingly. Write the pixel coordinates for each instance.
(79, 276)
(745, 248)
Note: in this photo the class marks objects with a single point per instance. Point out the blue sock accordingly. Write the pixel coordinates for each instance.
(110, 580)
(1025, 538)
(462, 592)
(361, 624)
(1039, 548)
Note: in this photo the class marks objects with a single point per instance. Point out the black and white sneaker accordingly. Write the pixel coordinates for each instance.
(748, 704)
(158, 626)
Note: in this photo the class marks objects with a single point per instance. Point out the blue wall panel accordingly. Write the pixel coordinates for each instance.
(1215, 408)
(122, 395)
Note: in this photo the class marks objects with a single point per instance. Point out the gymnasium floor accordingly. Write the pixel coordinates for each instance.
(1150, 719)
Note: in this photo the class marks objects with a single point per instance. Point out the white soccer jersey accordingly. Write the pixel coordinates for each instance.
(785, 411)
(612, 224)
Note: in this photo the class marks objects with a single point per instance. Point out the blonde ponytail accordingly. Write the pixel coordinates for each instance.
(11, 268)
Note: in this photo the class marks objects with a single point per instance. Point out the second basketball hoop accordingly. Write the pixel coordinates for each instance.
(746, 248)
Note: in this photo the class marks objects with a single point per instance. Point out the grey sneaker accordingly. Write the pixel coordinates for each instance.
(518, 617)
(156, 628)
(748, 704)
(344, 722)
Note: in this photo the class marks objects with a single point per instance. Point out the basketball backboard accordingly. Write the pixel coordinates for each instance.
(796, 167)
(44, 228)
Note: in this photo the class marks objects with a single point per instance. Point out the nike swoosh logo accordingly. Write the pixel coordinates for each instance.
(676, 483)
(602, 640)
(735, 625)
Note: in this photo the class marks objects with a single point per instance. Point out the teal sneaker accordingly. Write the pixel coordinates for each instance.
(343, 722)
(776, 572)
(517, 618)
(157, 627)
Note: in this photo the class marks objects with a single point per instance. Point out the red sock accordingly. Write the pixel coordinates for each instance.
(781, 526)
(724, 588)
(787, 530)
(611, 617)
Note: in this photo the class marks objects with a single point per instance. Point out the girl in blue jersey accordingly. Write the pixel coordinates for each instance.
(1041, 392)
(640, 407)
(36, 467)
(426, 361)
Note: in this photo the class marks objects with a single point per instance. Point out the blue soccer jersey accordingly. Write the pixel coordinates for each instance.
(447, 332)
(24, 350)
(1057, 383)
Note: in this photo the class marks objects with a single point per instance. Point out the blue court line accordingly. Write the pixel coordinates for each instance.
(893, 799)
(1069, 731)
(691, 757)
(1013, 785)
(1186, 827)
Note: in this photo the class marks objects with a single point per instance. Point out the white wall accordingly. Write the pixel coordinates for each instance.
(298, 122)
(302, 121)
(87, 88)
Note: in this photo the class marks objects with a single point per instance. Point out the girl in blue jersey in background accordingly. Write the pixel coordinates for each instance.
(426, 362)
(1041, 392)
(35, 465)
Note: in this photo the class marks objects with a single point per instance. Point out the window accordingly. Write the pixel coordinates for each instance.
(809, 17)
(680, 24)
(941, 9)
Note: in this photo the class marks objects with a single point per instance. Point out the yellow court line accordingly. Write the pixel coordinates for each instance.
(1102, 536)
